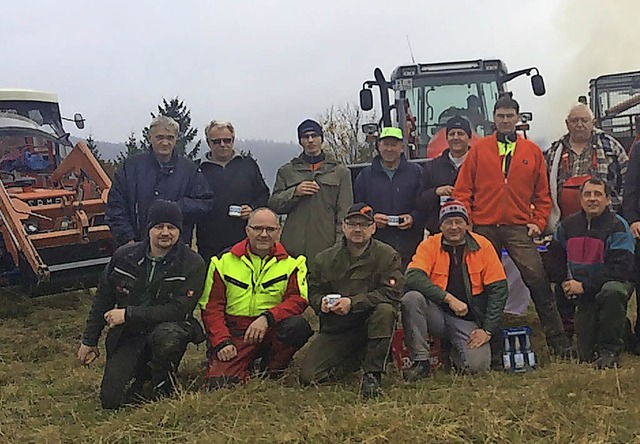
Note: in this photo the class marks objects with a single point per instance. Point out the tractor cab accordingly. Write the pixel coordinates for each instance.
(427, 95)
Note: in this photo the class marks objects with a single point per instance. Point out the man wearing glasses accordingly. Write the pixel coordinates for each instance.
(252, 303)
(239, 187)
(355, 289)
(314, 191)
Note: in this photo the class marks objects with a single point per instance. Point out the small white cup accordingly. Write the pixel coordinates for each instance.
(393, 221)
(332, 299)
(235, 210)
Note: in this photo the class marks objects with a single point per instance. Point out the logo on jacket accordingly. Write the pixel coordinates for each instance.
(190, 293)
(392, 282)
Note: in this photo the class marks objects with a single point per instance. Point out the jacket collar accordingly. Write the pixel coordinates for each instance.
(207, 158)
(242, 249)
(328, 160)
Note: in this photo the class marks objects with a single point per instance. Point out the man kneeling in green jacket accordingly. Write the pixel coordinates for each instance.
(457, 291)
(354, 287)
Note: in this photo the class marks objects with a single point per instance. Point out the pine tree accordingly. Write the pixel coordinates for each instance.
(133, 147)
(178, 111)
(93, 147)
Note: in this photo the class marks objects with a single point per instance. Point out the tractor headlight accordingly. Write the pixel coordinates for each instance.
(30, 227)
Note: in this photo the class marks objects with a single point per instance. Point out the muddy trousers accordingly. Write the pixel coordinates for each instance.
(333, 355)
(600, 320)
(133, 359)
(276, 350)
(525, 256)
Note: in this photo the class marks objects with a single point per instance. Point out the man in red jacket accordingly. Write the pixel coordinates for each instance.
(503, 184)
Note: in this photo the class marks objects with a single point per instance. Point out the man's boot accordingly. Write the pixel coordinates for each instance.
(371, 386)
(560, 346)
(606, 359)
(419, 370)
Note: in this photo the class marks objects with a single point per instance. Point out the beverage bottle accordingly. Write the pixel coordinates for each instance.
(506, 356)
(518, 356)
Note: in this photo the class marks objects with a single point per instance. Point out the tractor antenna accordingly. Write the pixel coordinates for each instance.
(413, 59)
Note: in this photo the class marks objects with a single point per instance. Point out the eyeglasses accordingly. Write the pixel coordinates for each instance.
(363, 224)
(226, 140)
(260, 229)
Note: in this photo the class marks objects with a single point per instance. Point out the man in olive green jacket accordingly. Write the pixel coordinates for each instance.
(355, 289)
(314, 191)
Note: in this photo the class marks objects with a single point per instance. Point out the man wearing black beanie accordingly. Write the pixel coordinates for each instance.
(314, 191)
(146, 297)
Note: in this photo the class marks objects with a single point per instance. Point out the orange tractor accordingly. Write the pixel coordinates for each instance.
(52, 199)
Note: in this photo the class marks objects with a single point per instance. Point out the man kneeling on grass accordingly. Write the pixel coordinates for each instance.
(252, 305)
(355, 287)
(146, 296)
(458, 290)
(598, 247)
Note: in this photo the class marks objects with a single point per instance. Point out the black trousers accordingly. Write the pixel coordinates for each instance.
(134, 358)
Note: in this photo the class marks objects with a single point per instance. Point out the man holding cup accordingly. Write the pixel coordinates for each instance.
(390, 186)
(239, 187)
(355, 288)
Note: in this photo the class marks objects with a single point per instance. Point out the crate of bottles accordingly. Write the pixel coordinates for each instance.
(518, 356)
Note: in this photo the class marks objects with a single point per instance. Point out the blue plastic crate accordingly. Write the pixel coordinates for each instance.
(518, 356)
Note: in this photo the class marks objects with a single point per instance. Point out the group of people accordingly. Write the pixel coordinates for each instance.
(359, 256)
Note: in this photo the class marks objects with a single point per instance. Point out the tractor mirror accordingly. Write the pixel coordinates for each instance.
(370, 128)
(366, 99)
(78, 120)
(537, 83)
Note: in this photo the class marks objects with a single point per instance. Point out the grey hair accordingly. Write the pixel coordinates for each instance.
(164, 122)
(219, 124)
(579, 107)
(257, 210)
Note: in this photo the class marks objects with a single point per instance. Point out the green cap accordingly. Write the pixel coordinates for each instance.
(396, 133)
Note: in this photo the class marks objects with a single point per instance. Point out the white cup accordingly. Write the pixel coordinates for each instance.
(235, 210)
(393, 221)
(332, 299)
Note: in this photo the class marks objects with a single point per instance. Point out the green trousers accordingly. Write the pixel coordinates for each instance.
(600, 319)
(333, 355)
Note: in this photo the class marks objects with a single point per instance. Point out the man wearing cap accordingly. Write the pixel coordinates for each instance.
(146, 297)
(252, 304)
(354, 288)
(457, 291)
(503, 185)
(314, 191)
(440, 174)
(160, 173)
(389, 185)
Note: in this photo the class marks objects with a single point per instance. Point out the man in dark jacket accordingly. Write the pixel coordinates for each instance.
(239, 188)
(599, 250)
(146, 297)
(631, 212)
(440, 174)
(158, 174)
(354, 288)
(390, 186)
(457, 291)
(314, 191)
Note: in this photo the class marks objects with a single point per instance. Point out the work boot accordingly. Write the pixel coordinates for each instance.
(419, 370)
(370, 387)
(606, 359)
(560, 346)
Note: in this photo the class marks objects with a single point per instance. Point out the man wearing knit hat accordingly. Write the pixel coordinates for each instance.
(314, 191)
(457, 291)
(146, 297)
(440, 173)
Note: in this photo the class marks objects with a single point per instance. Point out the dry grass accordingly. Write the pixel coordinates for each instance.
(46, 397)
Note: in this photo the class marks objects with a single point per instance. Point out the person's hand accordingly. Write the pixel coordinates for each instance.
(114, 317)
(534, 230)
(458, 307)
(256, 331)
(635, 229)
(572, 288)
(478, 338)
(227, 353)
(444, 190)
(381, 220)
(245, 211)
(131, 242)
(86, 354)
(307, 188)
(342, 306)
(407, 221)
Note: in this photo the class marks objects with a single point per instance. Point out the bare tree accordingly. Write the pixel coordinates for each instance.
(342, 135)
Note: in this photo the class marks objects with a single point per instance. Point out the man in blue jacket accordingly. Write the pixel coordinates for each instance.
(158, 174)
(390, 186)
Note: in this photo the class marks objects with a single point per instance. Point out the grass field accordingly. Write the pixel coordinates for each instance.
(46, 397)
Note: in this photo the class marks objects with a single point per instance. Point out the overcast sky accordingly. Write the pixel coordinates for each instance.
(267, 65)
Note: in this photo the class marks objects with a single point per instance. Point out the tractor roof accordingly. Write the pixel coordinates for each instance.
(27, 95)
